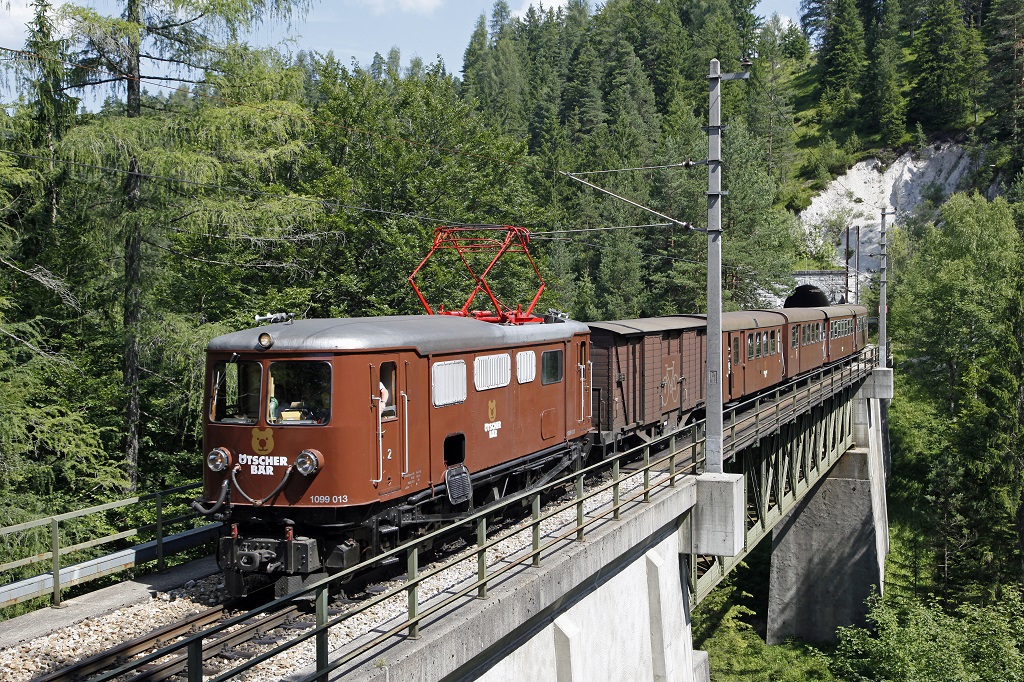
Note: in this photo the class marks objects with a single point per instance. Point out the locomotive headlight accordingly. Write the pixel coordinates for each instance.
(265, 340)
(219, 459)
(308, 462)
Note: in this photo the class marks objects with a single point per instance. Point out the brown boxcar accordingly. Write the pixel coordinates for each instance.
(648, 373)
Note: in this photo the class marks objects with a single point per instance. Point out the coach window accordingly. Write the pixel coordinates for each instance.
(551, 367)
(735, 350)
(299, 392)
(764, 343)
(750, 346)
(235, 392)
(757, 346)
(773, 342)
(794, 336)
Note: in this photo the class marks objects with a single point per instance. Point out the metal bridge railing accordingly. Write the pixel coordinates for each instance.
(669, 457)
(636, 477)
(172, 500)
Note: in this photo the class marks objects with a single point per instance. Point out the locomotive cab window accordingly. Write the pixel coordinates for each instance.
(551, 367)
(388, 372)
(299, 392)
(235, 392)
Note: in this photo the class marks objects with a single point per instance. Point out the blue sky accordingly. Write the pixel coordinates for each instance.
(358, 28)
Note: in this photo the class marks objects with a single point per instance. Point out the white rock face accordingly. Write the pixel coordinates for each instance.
(859, 196)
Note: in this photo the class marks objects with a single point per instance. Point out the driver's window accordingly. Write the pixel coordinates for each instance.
(388, 374)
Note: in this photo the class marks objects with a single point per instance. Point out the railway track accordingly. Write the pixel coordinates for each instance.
(224, 645)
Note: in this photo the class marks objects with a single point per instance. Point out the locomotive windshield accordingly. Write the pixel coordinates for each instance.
(299, 392)
(235, 393)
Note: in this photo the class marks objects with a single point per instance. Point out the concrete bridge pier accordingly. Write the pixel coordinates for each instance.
(828, 554)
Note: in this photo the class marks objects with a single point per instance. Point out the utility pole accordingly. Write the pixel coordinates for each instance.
(713, 449)
(856, 268)
(883, 304)
(846, 262)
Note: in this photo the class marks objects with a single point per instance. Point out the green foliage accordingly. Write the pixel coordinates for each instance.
(919, 641)
(738, 654)
(956, 296)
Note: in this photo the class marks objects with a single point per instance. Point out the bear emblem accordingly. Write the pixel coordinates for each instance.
(263, 441)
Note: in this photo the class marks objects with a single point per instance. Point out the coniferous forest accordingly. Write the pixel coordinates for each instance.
(216, 180)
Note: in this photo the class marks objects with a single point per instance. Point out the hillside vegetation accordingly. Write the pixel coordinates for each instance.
(219, 180)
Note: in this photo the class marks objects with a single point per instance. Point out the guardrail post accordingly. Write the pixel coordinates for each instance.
(732, 428)
(672, 461)
(481, 557)
(536, 529)
(647, 473)
(579, 508)
(322, 614)
(55, 549)
(615, 488)
(757, 418)
(160, 563)
(413, 572)
(195, 660)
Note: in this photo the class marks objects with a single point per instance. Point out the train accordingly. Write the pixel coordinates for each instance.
(329, 441)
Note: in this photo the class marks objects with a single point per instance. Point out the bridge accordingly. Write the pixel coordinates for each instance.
(807, 465)
(599, 583)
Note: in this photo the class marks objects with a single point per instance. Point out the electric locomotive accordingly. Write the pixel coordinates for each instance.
(330, 440)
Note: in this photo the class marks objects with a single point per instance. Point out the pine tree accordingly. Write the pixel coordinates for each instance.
(948, 58)
(889, 105)
(475, 63)
(1005, 32)
(842, 56)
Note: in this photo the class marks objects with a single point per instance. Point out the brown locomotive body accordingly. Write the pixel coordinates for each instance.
(330, 440)
(339, 436)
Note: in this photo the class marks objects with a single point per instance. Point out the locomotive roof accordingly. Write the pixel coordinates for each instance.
(426, 333)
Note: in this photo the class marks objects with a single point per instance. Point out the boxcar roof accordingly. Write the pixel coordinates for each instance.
(646, 325)
(426, 333)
